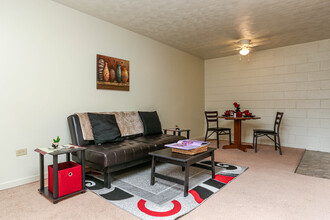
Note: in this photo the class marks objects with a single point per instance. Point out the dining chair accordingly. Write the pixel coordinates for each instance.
(273, 135)
(212, 123)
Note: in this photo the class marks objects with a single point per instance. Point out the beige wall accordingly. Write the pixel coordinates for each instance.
(48, 57)
(293, 79)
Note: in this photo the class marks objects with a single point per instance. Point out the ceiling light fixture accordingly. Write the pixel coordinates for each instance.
(244, 47)
(244, 51)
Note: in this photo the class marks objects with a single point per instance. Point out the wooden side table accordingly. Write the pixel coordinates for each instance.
(177, 130)
(44, 190)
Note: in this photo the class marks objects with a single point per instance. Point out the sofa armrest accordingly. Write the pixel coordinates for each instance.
(75, 131)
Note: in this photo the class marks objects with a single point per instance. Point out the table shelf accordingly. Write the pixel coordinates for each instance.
(49, 195)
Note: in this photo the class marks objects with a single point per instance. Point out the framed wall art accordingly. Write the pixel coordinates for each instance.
(112, 73)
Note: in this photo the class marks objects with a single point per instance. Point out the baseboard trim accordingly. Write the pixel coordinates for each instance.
(21, 181)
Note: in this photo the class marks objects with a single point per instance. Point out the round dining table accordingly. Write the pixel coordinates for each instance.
(238, 132)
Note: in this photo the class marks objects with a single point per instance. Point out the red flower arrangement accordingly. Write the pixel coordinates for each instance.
(237, 106)
(238, 112)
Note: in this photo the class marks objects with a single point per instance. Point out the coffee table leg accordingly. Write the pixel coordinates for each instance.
(186, 180)
(212, 162)
(152, 180)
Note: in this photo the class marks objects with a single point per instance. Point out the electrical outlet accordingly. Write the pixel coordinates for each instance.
(21, 152)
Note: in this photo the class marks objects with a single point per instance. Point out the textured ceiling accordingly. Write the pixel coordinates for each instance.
(210, 28)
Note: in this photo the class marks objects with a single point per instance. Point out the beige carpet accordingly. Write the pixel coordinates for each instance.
(269, 189)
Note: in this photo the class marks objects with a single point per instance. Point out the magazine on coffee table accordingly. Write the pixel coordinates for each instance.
(187, 144)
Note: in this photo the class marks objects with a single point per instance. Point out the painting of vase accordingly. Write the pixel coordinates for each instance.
(112, 73)
(118, 73)
(124, 75)
(106, 73)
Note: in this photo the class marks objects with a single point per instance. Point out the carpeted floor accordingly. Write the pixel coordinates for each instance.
(315, 163)
(269, 189)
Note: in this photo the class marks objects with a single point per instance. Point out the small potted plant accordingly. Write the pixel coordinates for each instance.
(56, 142)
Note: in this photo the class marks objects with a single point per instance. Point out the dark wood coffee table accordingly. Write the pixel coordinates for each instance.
(183, 160)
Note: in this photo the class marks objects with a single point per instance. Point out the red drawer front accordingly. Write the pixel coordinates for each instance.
(69, 178)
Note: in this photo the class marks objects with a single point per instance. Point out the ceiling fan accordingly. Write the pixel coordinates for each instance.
(228, 46)
(244, 46)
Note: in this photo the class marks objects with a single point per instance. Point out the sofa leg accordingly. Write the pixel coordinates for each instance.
(107, 180)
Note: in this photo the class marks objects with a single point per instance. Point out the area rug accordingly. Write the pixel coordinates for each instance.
(315, 163)
(131, 189)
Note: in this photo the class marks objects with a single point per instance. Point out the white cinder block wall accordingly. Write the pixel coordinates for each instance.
(293, 79)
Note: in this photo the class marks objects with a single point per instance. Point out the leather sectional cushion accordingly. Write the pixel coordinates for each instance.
(151, 123)
(105, 128)
(110, 154)
(159, 139)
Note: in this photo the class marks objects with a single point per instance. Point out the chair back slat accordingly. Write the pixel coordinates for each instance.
(278, 120)
(212, 120)
(211, 116)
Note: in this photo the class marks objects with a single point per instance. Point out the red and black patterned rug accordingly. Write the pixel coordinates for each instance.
(131, 189)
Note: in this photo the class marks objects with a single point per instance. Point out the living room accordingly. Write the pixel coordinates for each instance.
(48, 72)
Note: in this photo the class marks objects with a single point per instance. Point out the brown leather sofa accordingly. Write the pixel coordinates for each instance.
(111, 157)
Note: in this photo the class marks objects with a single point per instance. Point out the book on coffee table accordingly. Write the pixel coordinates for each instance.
(187, 144)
